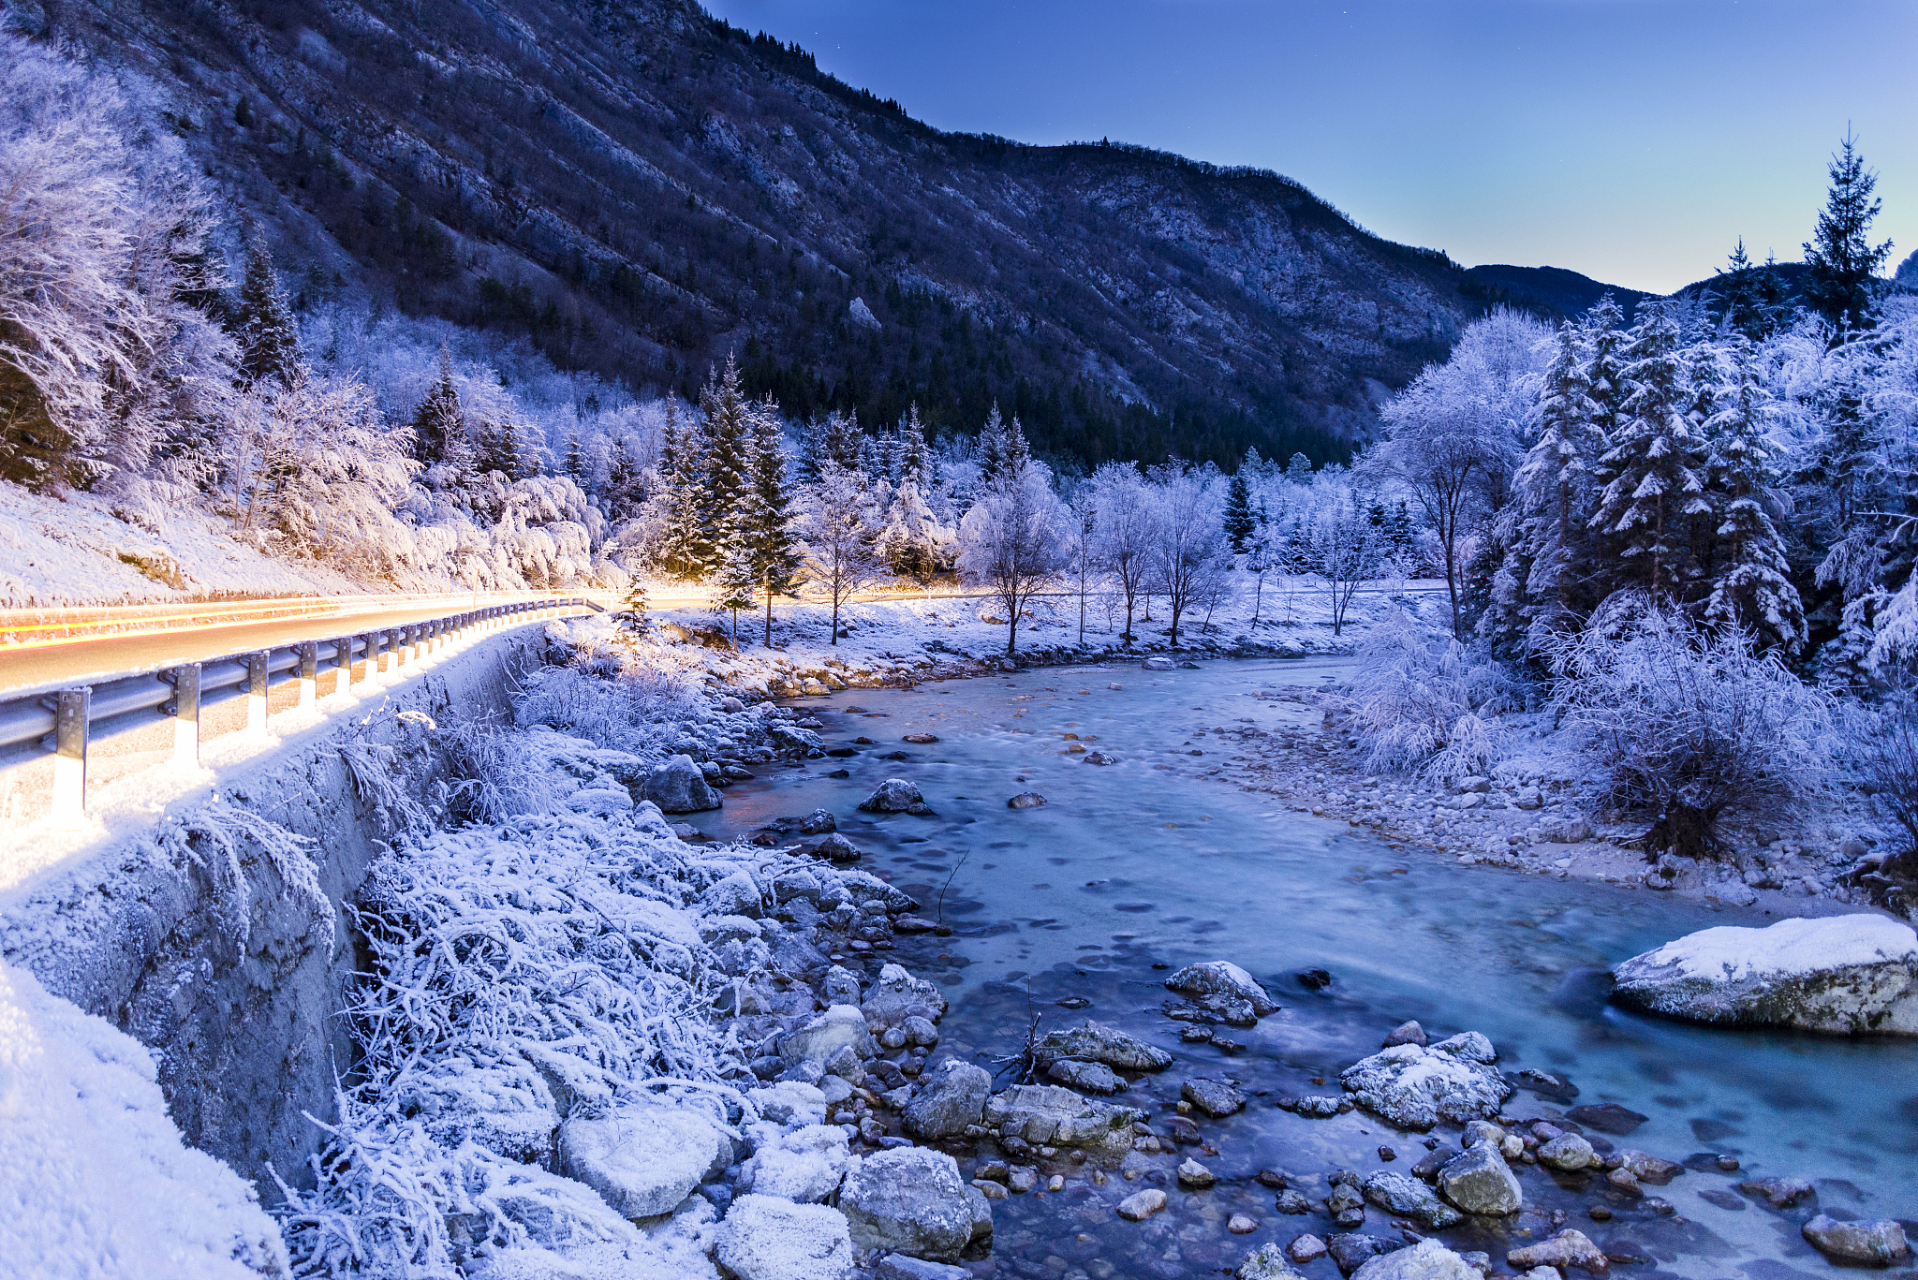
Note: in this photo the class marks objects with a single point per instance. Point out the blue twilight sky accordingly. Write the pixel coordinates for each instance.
(1632, 140)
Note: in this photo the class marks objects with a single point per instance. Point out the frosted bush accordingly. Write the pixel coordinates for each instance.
(609, 699)
(1692, 726)
(1419, 703)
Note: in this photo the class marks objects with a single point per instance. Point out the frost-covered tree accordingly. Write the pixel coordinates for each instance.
(723, 444)
(1653, 495)
(1002, 447)
(1128, 521)
(442, 440)
(763, 518)
(269, 340)
(1239, 519)
(687, 541)
(1343, 550)
(836, 439)
(1012, 541)
(1188, 553)
(735, 583)
(1750, 580)
(1841, 263)
(837, 526)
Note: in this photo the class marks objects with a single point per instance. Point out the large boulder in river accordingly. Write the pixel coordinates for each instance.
(1223, 989)
(766, 1238)
(1843, 974)
(644, 1159)
(910, 1200)
(1415, 1086)
(677, 785)
(1096, 1042)
(1479, 1181)
(951, 1096)
(895, 795)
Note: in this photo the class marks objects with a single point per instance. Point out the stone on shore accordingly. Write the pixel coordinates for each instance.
(1416, 1086)
(909, 1200)
(951, 1097)
(804, 1166)
(766, 1238)
(1268, 1262)
(642, 1159)
(1569, 1248)
(841, 1026)
(1096, 1042)
(1877, 1243)
(899, 1266)
(896, 996)
(677, 785)
(1846, 974)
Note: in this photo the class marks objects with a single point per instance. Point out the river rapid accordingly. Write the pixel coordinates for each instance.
(1144, 864)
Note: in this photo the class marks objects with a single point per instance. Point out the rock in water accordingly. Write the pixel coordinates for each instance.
(1426, 1260)
(1350, 1250)
(1092, 1077)
(1096, 1042)
(818, 823)
(1194, 1176)
(921, 739)
(765, 1238)
(1221, 987)
(1479, 1181)
(1267, 1262)
(897, 1266)
(1404, 1033)
(676, 785)
(835, 848)
(1568, 1153)
(1305, 1248)
(1415, 1086)
(950, 1098)
(909, 1200)
(1047, 1115)
(1779, 1193)
(1876, 1243)
(1568, 1248)
(1843, 974)
(1159, 662)
(1027, 800)
(1141, 1205)
(1214, 1097)
(1606, 1117)
(643, 1160)
(897, 996)
(1409, 1198)
(895, 795)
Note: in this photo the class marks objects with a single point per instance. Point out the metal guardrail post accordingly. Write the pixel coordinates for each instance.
(186, 715)
(70, 716)
(309, 673)
(343, 662)
(370, 642)
(256, 691)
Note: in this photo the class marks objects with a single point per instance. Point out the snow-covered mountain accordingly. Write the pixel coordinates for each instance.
(640, 189)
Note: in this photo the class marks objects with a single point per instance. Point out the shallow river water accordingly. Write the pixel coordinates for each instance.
(1134, 867)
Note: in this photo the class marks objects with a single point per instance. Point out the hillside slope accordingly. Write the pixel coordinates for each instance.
(641, 189)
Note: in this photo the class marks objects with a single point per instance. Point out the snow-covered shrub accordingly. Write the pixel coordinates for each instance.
(614, 702)
(1423, 704)
(1882, 747)
(1692, 726)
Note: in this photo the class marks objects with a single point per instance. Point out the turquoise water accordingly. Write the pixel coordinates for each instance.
(1132, 865)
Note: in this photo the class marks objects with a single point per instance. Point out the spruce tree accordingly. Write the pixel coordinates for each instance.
(625, 482)
(1604, 371)
(1653, 494)
(725, 441)
(1299, 469)
(994, 448)
(1750, 580)
(834, 439)
(734, 581)
(764, 516)
(1239, 521)
(915, 459)
(1841, 265)
(441, 442)
(268, 339)
(687, 543)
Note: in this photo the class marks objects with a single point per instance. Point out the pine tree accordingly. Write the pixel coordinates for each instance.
(1841, 265)
(725, 444)
(834, 439)
(1750, 579)
(764, 516)
(993, 447)
(441, 441)
(1604, 371)
(1749, 298)
(1299, 470)
(1547, 546)
(268, 339)
(915, 459)
(1653, 494)
(687, 543)
(734, 581)
(625, 482)
(1239, 521)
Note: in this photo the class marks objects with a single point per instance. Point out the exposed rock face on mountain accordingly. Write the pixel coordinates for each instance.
(640, 190)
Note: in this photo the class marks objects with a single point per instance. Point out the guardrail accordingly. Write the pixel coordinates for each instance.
(64, 720)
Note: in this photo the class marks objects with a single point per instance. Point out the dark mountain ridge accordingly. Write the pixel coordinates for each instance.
(641, 190)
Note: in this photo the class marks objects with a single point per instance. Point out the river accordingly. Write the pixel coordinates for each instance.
(1144, 864)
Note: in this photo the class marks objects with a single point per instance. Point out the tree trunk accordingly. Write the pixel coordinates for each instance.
(835, 615)
(769, 617)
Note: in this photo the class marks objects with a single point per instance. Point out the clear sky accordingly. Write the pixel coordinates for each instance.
(1632, 140)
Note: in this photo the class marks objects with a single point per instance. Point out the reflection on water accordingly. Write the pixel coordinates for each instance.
(1133, 867)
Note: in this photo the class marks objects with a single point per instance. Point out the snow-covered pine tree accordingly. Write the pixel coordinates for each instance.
(687, 543)
(914, 461)
(992, 447)
(1299, 470)
(625, 482)
(734, 581)
(836, 439)
(442, 443)
(725, 443)
(1749, 577)
(1239, 520)
(269, 340)
(1653, 494)
(1841, 263)
(1604, 374)
(764, 513)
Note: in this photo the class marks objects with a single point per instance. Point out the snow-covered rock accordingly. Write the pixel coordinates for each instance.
(1088, 1077)
(1222, 988)
(642, 1159)
(1416, 1086)
(1047, 1115)
(1094, 1041)
(910, 1200)
(1845, 974)
(895, 795)
(766, 1238)
(95, 1179)
(600, 802)
(1406, 1196)
(896, 996)
(677, 785)
(804, 1166)
(1426, 1260)
(842, 1026)
(790, 1102)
